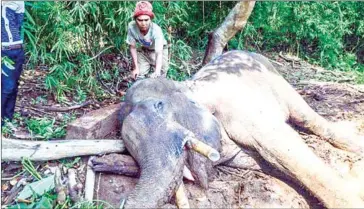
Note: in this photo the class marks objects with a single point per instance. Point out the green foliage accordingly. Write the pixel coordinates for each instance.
(8, 128)
(177, 70)
(21, 206)
(96, 204)
(70, 162)
(37, 188)
(46, 200)
(66, 36)
(44, 127)
(6, 61)
(29, 167)
(326, 33)
(39, 100)
(359, 78)
(47, 127)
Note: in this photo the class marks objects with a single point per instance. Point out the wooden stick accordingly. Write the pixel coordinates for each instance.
(102, 51)
(15, 150)
(60, 188)
(35, 109)
(90, 181)
(14, 192)
(73, 189)
(63, 109)
(24, 201)
(278, 63)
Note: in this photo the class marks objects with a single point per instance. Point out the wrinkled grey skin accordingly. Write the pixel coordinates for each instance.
(156, 116)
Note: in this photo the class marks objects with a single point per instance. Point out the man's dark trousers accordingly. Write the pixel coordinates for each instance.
(10, 82)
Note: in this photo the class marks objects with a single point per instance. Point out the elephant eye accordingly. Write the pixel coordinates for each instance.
(158, 105)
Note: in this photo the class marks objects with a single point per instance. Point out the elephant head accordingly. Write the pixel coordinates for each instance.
(157, 118)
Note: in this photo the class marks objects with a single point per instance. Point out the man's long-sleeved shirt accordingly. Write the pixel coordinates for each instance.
(12, 15)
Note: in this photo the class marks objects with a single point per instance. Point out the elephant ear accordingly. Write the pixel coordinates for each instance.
(125, 109)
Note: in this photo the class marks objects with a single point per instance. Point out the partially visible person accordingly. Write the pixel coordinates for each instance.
(148, 47)
(12, 15)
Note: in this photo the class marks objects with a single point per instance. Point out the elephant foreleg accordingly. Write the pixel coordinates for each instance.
(282, 147)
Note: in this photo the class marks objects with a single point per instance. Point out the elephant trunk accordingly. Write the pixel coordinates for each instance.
(155, 187)
(161, 160)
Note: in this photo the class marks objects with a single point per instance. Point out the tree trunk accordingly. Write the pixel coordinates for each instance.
(15, 150)
(234, 22)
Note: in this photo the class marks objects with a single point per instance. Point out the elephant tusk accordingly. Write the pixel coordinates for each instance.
(187, 174)
(181, 198)
(202, 148)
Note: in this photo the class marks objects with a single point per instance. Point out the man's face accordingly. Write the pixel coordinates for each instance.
(143, 22)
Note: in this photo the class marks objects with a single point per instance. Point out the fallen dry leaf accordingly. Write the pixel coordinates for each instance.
(5, 187)
(13, 182)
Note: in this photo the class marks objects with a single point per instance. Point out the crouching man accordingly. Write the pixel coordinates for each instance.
(148, 47)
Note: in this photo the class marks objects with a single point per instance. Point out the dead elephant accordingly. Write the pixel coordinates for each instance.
(239, 95)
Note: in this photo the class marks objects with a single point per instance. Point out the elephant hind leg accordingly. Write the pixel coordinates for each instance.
(282, 147)
(302, 115)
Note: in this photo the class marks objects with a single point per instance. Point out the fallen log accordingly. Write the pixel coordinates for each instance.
(15, 150)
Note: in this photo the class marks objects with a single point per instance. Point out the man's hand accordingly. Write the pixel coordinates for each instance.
(134, 73)
(155, 74)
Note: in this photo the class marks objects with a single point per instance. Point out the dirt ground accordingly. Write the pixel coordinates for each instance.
(250, 187)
